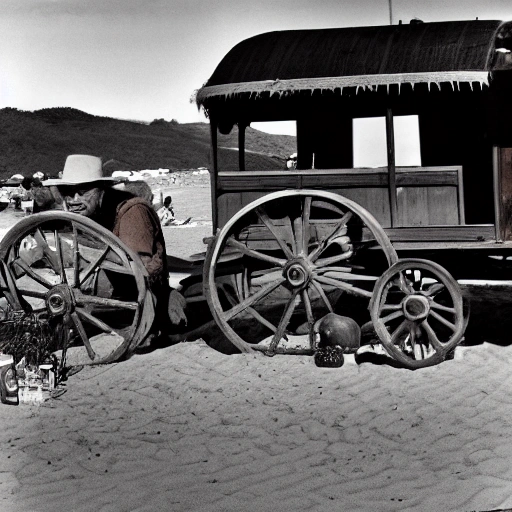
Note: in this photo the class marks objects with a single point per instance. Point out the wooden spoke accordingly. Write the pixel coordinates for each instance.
(289, 226)
(324, 262)
(249, 310)
(60, 258)
(392, 316)
(443, 320)
(404, 326)
(347, 276)
(343, 286)
(404, 284)
(391, 307)
(30, 272)
(32, 293)
(440, 307)
(323, 270)
(76, 258)
(285, 319)
(266, 272)
(324, 242)
(265, 219)
(322, 294)
(306, 213)
(254, 254)
(412, 339)
(260, 294)
(83, 335)
(434, 340)
(83, 300)
(434, 289)
(96, 322)
(309, 316)
(93, 266)
(298, 233)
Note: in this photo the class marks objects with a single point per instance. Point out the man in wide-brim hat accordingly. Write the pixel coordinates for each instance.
(85, 190)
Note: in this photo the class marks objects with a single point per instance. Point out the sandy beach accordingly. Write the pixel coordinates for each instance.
(186, 428)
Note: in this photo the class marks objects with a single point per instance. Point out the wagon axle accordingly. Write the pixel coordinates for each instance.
(416, 307)
(297, 273)
(59, 300)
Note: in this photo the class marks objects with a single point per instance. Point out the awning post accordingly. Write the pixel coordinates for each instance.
(390, 138)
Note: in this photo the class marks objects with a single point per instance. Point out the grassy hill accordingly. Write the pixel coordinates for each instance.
(41, 140)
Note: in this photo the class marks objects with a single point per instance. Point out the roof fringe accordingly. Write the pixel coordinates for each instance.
(371, 82)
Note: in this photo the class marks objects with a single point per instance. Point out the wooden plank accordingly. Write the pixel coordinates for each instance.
(476, 233)
(442, 205)
(375, 200)
(281, 180)
(412, 206)
(503, 191)
(227, 206)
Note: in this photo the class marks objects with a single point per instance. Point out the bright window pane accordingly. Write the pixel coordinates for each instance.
(407, 141)
(370, 148)
(369, 144)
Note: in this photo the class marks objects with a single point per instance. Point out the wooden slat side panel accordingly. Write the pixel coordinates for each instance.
(428, 206)
(443, 206)
(426, 196)
(505, 186)
(227, 206)
(375, 200)
(476, 233)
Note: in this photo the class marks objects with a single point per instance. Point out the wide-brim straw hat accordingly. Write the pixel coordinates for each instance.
(80, 169)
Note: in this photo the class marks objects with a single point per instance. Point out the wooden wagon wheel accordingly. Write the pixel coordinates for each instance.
(301, 254)
(71, 271)
(417, 312)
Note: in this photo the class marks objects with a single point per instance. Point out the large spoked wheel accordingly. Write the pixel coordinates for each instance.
(417, 312)
(70, 271)
(287, 259)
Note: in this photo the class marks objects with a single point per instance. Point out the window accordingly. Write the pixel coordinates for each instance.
(370, 146)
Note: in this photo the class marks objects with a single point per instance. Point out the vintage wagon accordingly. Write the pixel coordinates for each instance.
(383, 244)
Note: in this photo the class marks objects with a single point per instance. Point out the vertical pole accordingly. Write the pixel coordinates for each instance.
(390, 138)
(214, 173)
(496, 177)
(390, 13)
(241, 145)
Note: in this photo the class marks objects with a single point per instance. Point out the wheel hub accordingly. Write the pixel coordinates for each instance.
(416, 307)
(59, 300)
(297, 273)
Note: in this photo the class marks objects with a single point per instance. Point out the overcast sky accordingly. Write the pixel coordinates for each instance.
(143, 59)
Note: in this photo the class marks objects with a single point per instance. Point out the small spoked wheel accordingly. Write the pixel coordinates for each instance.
(286, 260)
(76, 275)
(417, 312)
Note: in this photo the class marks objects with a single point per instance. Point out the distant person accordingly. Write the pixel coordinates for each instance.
(86, 191)
(43, 197)
(166, 212)
(291, 162)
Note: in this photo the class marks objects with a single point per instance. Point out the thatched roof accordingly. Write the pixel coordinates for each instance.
(366, 57)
